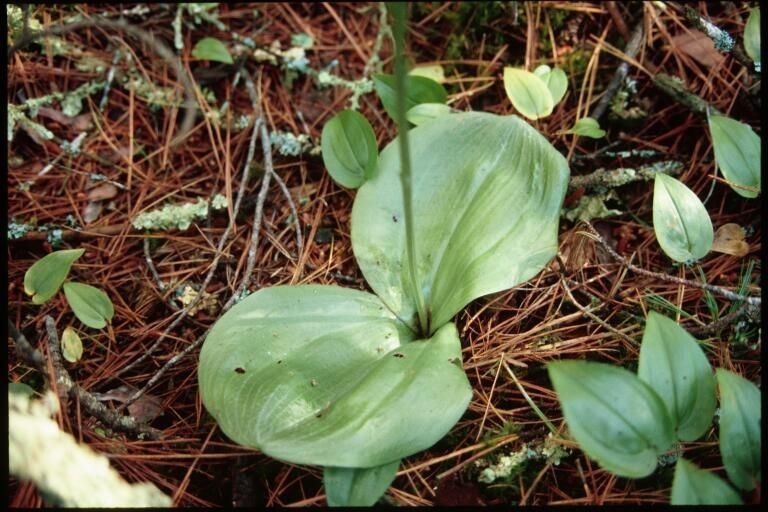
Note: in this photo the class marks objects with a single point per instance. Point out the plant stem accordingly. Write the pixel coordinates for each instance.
(398, 10)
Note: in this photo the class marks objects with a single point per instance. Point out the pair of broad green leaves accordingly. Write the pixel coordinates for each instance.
(342, 378)
(625, 421)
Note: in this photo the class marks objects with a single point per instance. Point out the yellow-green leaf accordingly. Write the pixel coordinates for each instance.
(210, 48)
(737, 153)
(587, 127)
(680, 221)
(695, 486)
(90, 305)
(556, 80)
(426, 112)
(432, 71)
(357, 487)
(528, 93)
(44, 278)
(349, 148)
(71, 345)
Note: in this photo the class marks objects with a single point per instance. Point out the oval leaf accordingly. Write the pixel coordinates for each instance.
(739, 429)
(673, 364)
(71, 345)
(752, 37)
(432, 71)
(426, 112)
(90, 305)
(737, 152)
(419, 89)
(614, 416)
(694, 486)
(555, 79)
(680, 221)
(357, 487)
(325, 375)
(528, 93)
(44, 278)
(587, 127)
(349, 148)
(487, 194)
(210, 48)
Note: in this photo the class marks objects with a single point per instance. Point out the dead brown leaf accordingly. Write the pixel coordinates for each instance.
(102, 192)
(729, 239)
(699, 46)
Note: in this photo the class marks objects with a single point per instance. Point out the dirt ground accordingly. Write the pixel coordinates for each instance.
(585, 304)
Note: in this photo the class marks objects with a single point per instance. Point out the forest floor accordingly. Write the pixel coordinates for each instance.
(585, 304)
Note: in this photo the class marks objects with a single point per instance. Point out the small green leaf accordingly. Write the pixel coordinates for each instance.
(737, 153)
(90, 305)
(528, 93)
(426, 112)
(616, 418)
(739, 429)
(680, 221)
(695, 486)
(357, 487)
(432, 71)
(349, 148)
(587, 127)
(44, 278)
(71, 345)
(419, 90)
(752, 36)
(210, 48)
(673, 364)
(556, 80)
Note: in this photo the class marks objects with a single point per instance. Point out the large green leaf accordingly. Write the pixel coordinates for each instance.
(673, 364)
(739, 428)
(357, 487)
(737, 152)
(695, 486)
(419, 90)
(680, 221)
(90, 305)
(328, 376)
(528, 93)
(487, 193)
(44, 278)
(616, 418)
(349, 148)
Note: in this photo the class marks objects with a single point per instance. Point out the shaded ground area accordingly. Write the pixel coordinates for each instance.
(585, 304)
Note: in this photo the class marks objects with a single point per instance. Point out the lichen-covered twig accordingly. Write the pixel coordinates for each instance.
(611, 178)
(25, 350)
(65, 384)
(294, 213)
(158, 46)
(633, 46)
(675, 88)
(717, 290)
(724, 42)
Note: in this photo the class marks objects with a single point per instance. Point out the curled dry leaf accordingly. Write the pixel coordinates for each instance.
(92, 211)
(729, 239)
(699, 46)
(145, 409)
(102, 192)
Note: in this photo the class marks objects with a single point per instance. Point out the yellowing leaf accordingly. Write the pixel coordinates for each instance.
(71, 345)
(528, 93)
(737, 152)
(44, 278)
(729, 239)
(431, 71)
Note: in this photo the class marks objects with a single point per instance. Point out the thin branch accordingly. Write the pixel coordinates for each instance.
(25, 350)
(294, 213)
(617, 177)
(90, 404)
(717, 290)
(675, 88)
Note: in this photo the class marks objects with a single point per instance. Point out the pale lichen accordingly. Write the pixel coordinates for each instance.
(178, 216)
(289, 144)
